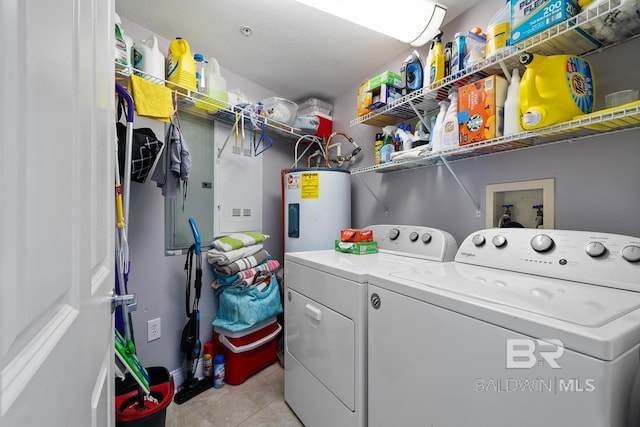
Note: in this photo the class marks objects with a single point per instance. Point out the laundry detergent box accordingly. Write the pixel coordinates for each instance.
(358, 248)
(481, 109)
(529, 17)
(356, 235)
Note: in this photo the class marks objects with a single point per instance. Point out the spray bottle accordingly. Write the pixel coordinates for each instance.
(436, 60)
(387, 144)
(512, 113)
(436, 140)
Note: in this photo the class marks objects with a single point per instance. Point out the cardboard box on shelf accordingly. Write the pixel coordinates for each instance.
(365, 97)
(481, 109)
(382, 95)
(356, 235)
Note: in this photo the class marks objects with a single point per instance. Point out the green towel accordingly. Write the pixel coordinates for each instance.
(239, 240)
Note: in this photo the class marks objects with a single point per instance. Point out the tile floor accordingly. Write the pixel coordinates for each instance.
(258, 402)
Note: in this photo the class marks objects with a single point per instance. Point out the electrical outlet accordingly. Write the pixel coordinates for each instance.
(153, 329)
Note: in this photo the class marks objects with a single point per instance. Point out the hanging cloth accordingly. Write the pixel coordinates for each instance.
(174, 166)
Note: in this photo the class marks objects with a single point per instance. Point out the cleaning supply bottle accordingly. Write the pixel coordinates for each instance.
(436, 140)
(218, 371)
(216, 84)
(397, 141)
(122, 48)
(148, 59)
(458, 51)
(201, 67)
(499, 30)
(436, 60)
(450, 133)
(181, 68)
(387, 144)
(512, 114)
(378, 145)
(447, 58)
(554, 89)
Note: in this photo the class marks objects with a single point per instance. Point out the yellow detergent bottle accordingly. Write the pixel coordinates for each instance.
(181, 68)
(436, 60)
(554, 89)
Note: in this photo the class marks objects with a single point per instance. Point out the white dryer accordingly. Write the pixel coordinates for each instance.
(525, 328)
(326, 320)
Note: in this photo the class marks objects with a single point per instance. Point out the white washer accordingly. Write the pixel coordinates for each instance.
(526, 328)
(325, 320)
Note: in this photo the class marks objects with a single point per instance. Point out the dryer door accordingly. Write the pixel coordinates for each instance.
(322, 340)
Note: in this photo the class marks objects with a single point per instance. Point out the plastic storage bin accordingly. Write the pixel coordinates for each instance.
(311, 106)
(280, 109)
(249, 351)
(128, 412)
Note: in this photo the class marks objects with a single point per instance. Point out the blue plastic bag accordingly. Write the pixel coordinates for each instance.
(242, 308)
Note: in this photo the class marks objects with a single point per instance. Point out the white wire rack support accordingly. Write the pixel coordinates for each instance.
(380, 202)
(477, 206)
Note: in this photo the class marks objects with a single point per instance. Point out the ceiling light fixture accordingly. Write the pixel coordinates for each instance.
(419, 22)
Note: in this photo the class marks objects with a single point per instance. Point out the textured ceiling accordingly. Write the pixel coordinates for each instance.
(294, 50)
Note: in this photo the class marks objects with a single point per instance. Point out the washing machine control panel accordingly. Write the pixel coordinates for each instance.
(415, 241)
(581, 256)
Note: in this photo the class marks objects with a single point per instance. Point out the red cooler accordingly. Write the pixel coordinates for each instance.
(249, 351)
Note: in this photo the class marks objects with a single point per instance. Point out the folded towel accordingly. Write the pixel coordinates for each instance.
(247, 277)
(239, 240)
(243, 263)
(412, 154)
(150, 99)
(218, 257)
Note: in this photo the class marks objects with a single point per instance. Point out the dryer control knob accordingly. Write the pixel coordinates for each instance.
(394, 233)
(542, 243)
(499, 241)
(631, 253)
(426, 238)
(478, 240)
(595, 249)
(413, 236)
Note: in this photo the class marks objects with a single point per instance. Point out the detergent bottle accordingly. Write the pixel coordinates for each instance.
(435, 61)
(216, 84)
(499, 30)
(181, 67)
(554, 89)
(148, 59)
(387, 144)
(450, 133)
(512, 114)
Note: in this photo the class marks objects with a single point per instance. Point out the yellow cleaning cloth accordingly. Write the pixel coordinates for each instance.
(150, 99)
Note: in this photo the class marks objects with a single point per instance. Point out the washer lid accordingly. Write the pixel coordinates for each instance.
(351, 266)
(600, 321)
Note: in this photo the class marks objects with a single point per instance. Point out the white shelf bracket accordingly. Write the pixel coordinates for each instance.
(477, 206)
(420, 116)
(231, 132)
(380, 202)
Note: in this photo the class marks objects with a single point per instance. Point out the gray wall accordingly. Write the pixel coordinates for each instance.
(596, 189)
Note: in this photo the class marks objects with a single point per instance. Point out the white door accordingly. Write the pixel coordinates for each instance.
(56, 213)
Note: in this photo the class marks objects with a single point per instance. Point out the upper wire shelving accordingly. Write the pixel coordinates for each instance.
(559, 39)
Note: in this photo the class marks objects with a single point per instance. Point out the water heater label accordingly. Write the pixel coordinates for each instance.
(310, 185)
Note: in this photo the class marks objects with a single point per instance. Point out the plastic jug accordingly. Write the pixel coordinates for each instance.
(435, 61)
(181, 68)
(499, 30)
(148, 59)
(554, 89)
(216, 84)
